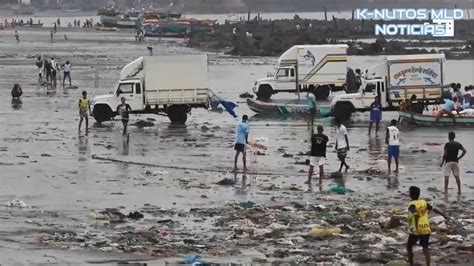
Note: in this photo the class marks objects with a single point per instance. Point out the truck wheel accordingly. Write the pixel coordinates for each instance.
(102, 113)
(264, 93)
(322, 92)
(343, 111)
(178, 114)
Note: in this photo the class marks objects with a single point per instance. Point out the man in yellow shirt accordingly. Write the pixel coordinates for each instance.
(419, 222)
(84, 110)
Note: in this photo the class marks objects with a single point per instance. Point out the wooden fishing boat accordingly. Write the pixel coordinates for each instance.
(103, 28)
(286, 108)
(428, 119)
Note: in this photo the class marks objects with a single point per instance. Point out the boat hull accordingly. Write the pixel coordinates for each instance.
(429, 120)
(286, 109)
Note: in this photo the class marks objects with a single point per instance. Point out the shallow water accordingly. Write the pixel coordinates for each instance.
(45, 163)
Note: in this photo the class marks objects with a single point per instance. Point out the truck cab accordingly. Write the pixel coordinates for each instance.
(397, 79)
(317, 69)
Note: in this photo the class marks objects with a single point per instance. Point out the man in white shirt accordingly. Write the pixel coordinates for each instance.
(67, 73)
(342, 144)
(392, 140)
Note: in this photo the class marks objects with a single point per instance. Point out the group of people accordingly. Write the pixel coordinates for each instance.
(459, 102)
(418, 209)
(123, 110)
(48, 71)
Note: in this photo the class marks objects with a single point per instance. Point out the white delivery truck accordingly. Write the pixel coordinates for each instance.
(169, 85)
(396, 79)
(319, 69)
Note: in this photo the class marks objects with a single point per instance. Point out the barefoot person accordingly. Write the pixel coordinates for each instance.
(84, 110)
(39, 65)
(419, 221)
(318, 154)
(311, 101)
(375, 115)
(123, 110)
(392, 140)
(241, 139)
(67, 73)
(342, 144)
(451, 160)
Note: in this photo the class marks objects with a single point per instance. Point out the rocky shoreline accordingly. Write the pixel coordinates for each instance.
(271, 38)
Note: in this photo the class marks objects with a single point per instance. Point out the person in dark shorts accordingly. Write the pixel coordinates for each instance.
(342, 144)
(375, 115)
(451, 160)
(318, 154)
(123, 110)
(392, 140)
(241, 139)
(47, 70)
(419, 222)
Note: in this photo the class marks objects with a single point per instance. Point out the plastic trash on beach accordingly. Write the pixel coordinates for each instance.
(324, 231)
(193, 260)
(16, 203)
(340, 190)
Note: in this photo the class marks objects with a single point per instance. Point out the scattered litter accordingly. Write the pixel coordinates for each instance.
(16, 203)
(324, 231)
(226, 182)
(194, 260)
(340, 190)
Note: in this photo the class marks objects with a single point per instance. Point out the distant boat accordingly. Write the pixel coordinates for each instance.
(119, 21)
(457, 54)
(34, 25)
(102, 28)
(290, 108)
(71, 9)
(429, 119)
(108, 10)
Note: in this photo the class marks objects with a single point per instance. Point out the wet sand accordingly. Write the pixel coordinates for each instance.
(46, 164)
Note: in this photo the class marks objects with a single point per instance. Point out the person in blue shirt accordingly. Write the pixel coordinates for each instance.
(311, 100)
(241, 139)
(375, 115)
(448, 108)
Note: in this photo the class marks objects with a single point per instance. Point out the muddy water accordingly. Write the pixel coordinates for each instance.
(55, 171)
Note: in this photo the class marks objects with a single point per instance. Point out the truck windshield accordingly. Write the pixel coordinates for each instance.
(282, 73)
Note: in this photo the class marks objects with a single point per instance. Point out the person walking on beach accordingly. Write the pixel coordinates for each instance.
(47, 70)
(318, 154)
(54, 72)
(123, 110)
(84, 111)
(311, 100)
(342, 144)
(393, 142)
(17, 36)
(39, 65)
(241, 140)
(375, 115)
(67, 73)
(419, 221)
(451, 161)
